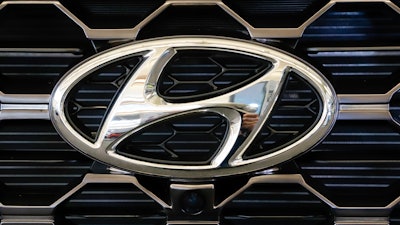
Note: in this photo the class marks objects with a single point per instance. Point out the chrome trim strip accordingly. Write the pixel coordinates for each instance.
(362, 221)
(24, 98)
(26, 220)
(364, 112)
(368, 98)
(24, 106)
(366, 106)
(10, 112)
(131, 33)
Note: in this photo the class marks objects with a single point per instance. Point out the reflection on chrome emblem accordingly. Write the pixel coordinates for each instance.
(138, 106)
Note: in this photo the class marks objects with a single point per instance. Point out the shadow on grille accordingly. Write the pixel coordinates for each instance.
(200, 74)
(275, 13)
(36, 165)
(350, 44)
(187, 139)
(276, 204)
(295, 112)
(112, 14)
(35, 50)
(88, 102)
(105, 204)
(358, 164)
(394, 217)
(193, 20)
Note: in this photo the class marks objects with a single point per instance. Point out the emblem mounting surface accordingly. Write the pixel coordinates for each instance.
(138, 105)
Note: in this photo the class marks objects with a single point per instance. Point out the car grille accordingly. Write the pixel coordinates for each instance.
(351, 177)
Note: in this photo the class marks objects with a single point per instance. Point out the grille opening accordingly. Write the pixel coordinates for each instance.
(275, 13)
(295, 112)
(103, 204)
(36, 51)
(355, 24)
(276, 204)
(350, 44)
(193, 20)
(112, 14)
(34, 71)
(227, 186)
(88, 102)
(36, 166)
(374, 71)
(397, 2)
(358, 164)
(200, 74)
(29, 26)
(394, 217)
(188, 139)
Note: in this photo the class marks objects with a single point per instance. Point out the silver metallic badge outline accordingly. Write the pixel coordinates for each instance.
(139, 105)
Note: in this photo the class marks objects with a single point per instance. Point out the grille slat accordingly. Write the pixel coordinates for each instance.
(276, 203)
(111, 203)
(35, 164)
(356, 46)
(358, 158)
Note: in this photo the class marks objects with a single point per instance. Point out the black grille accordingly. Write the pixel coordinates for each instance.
(355, 45)
(54, 46)
(115, 14)
(29, 72)
(105, 204)
(188, 139)
(275, 13)
(276, 204)
(358, 164)
(193, 20)
(295, 112)
(199, 74)
(346, 45)
(36, 165)
(395, 215)
(88, 102)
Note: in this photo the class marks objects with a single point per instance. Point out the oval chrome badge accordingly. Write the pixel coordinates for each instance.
(193, 107)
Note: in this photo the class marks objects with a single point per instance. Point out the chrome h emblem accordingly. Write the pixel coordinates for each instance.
(139, 105)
